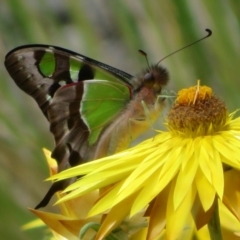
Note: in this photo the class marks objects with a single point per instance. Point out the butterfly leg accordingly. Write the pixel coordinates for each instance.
(137, 126)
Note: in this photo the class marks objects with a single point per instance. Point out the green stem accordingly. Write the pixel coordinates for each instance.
(214, 226)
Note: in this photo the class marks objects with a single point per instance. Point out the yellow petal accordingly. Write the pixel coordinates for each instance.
(115, 217)
(52, 164)
(187, 152)
(228, 220)
(157, 220)
(33, 224)
(107, 201)
(205, 190)
(146, 194)
(216, 167)
(176, 218)
(184, 181)
(232, 192)
(173, 162)
(228, 151)
(80, 206)
(53, 221)
(140, 235)
(201, 217)
(146, 166)
(203, 156)
(203, 234)
(101, 164)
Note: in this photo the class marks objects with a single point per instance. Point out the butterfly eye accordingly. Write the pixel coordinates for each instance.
(148, 77)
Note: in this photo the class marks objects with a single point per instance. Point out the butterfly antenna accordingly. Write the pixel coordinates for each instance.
(208, 35)
(146, 57)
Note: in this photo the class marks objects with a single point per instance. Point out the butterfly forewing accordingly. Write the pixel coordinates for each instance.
(39, 70)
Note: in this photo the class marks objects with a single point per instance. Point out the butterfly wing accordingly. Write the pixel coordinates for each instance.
(78, 114)
(69, 89)
(39, 70)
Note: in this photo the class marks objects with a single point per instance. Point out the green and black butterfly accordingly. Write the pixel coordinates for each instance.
(93, 109)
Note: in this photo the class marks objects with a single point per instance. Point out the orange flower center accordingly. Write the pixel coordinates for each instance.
(197, 112)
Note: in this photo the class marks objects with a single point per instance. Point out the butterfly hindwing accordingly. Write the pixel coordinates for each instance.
(79, 112)
(78, 95)
(101, 102)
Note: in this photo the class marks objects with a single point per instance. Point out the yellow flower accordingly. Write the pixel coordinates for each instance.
(67, 225)
(176, 178)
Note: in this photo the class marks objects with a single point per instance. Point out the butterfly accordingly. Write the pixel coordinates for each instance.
(93, 109)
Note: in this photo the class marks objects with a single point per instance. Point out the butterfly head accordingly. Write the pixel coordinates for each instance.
(154, 77)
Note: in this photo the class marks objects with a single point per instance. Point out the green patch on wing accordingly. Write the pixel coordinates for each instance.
(47, 64)
(75, 66)
(105, 75)
(102, 101)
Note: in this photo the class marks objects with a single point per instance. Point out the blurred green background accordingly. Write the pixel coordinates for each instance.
(110, 32)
